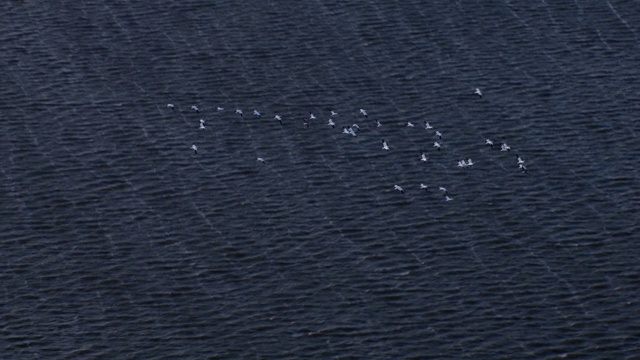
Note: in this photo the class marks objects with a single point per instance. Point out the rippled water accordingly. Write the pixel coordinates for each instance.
(119, 242)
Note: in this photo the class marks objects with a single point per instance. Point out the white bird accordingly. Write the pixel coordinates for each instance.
(279, 118)
(441, 188)
(202, 125)
(261, 160)
(363, 112)
(384, 145)
(170, 106)
(478, 92)
(219, 108)
(345, 130)
(469, 162)
(439, 134)
(352, 132)
(257, 113)
(462, 164)
(523, 168)
(378, 123)
(425, 187)
(447, 198)
(201, 121)
(410, 124)
(194, 148)
(306, 123)
(520, 161)
(355, 126)
(331, 123)
(423, 157)
(333, 113)
(489, 142)
(436, 145)
(194, 108)
(239, 112)
(504, 147)
(427, 125)
(311, 116)
(399, 188)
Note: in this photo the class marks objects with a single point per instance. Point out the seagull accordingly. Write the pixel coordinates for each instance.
(345, 130)
(261, 160)
(352, 132)
(331, 123)
(425, 187)
(219, 108)
(399, 188)
(478, 92)
(201, 121)
(447, 198)
(311, 116)
(239, 112)
(489, 142)
(520, 161)
(279, 118)
(442, 189)
(504, 147)
(170, 106)
(462, 164)
(427, 125)
(333, 113)
(202, 125)
(423, 157)
(195, 108)
(306, 123)
(355, 126)
(439, 134)
(194, 148)
(523, 168)
(384, 145)
(469, 162)
(363, 112)
(409, 124)
(257, 113)
(436, 145)
(378, 123)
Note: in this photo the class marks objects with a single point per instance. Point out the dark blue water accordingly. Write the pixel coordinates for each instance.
(117, 241)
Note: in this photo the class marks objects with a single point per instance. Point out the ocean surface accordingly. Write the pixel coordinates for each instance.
(118, 241)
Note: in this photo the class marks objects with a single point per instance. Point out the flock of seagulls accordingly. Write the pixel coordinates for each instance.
(353, 131)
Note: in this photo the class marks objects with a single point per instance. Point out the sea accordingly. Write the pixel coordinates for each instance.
(119, 241)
